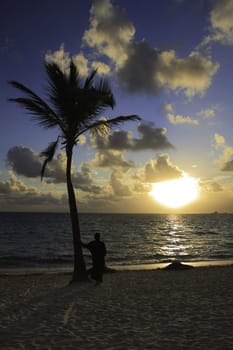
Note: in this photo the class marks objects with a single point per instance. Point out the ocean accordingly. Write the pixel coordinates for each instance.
(43, 241)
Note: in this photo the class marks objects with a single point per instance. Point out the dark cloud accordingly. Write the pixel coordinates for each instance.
(24, 161)
(228, 166)
(136, 75)
(152, 138)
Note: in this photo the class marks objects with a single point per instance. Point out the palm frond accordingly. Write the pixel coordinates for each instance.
(74, 75)
(121, 119)
(64, 93)
(93, 101)
(104, 93)
(53, 69)
(57, 81)
(89, 80)
(48, 153)
(75, 107)
(102, 126)
(36, 106)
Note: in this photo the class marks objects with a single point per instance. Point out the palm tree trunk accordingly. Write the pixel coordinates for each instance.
(79, 272)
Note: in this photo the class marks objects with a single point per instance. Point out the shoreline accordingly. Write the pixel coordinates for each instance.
(116, 268)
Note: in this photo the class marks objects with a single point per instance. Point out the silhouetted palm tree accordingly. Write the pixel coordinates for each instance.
(73, 106)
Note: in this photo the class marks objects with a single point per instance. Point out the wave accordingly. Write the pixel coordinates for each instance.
(44, 240)
(209, 232)
(15, 261)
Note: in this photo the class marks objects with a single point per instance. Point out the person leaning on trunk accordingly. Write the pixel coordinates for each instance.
(98, 253)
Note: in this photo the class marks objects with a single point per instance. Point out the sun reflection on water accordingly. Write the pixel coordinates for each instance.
(175, 242)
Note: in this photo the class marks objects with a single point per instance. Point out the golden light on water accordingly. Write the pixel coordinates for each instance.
(176, 193)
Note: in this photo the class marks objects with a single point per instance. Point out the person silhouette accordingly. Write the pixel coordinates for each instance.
(98, 253)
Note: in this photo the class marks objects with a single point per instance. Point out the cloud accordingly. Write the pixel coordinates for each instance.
(226, 156)
(110, 31)
(228, 166)
(118, 186)
(219, 140)
(62, 58)
(208, 113)
(14, 185)
(16, 195)
(168, 107)
(108, 158)
(180, 119)
(96, 204)
(138, 73)
(152, 138)
(177, 118)
(161, 169)
(56, 169)
(141, 187)
(221, 22)
(24, 161)
(173, 118)
(138, 66)
(192, 74)
(211, 186)
(159, 70)
(102, 68)
(83, 180)
(224, 160)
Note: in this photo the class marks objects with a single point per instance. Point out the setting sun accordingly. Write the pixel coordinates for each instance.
(176, 193)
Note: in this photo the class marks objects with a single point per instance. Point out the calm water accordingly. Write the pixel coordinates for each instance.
(35, 240)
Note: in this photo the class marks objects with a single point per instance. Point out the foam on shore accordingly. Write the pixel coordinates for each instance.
(68, 270)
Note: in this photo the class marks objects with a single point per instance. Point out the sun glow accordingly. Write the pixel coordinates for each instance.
(176, 193)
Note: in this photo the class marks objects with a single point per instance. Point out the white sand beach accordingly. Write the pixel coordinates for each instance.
(148, 309)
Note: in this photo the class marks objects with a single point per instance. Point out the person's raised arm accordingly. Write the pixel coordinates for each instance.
(84, 245)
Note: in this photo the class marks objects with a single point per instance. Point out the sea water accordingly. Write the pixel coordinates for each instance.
(44, 240)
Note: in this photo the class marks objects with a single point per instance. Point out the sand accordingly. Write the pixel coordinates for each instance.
(153, 309)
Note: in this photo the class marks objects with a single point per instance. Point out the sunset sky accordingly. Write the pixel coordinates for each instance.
(168, 61)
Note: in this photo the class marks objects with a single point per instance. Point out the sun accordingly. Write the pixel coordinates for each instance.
(176, 193)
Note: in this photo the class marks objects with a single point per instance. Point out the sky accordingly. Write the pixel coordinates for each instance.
(168, 61)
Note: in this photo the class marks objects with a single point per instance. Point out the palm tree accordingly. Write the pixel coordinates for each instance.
(73, 107)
